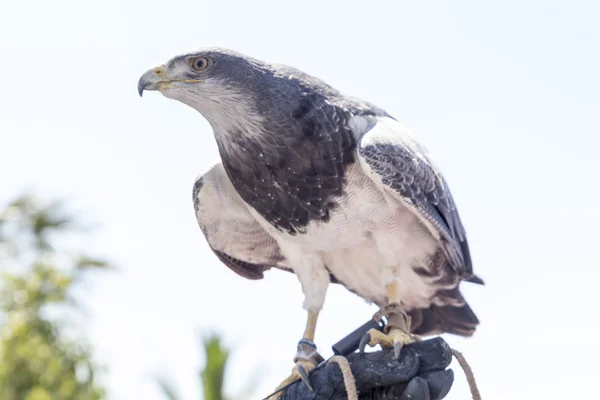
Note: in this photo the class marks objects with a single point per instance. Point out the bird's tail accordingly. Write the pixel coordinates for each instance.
(436, 320)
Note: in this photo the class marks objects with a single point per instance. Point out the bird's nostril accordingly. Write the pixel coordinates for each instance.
(158, 71)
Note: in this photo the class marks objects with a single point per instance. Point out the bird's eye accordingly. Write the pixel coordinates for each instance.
(200, 63)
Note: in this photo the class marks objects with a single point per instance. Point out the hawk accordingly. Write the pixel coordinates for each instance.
(326, 186)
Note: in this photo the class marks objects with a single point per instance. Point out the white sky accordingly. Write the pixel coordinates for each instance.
(506, 96)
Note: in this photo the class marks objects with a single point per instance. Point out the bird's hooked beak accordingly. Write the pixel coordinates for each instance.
(151, 80)
(158, 78)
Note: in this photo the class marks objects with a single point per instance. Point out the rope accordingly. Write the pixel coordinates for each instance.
(349, 382)
(469, 373)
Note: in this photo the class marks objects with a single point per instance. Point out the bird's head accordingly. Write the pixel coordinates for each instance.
(225, 86)
(204, 73)
(237, 93)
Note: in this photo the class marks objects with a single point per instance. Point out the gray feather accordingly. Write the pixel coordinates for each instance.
(232, 233)
(406, 169)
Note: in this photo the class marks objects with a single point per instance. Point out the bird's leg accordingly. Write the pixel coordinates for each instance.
(315, 279)
(306, 358)
(396, 332)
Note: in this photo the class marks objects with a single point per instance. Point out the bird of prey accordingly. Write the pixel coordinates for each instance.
(326, 186)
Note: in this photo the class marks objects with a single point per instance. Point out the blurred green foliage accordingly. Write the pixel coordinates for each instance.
(42, 356)
(214, 371)
(212, 375)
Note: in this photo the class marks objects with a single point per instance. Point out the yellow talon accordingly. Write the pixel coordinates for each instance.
(396, 338)
(300, 371)
(306, 359)
(377, 337)
(397, 329)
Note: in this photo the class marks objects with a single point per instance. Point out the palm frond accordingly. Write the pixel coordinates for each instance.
(167, 388)
(213, 373)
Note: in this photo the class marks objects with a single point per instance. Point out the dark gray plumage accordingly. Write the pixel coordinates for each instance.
(404, 167)
(321, 184)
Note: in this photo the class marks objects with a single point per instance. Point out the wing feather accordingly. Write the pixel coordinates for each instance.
(391, 156)
(232, 233)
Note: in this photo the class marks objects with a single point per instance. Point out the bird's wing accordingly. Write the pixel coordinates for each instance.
(232, 233)
(392, 157)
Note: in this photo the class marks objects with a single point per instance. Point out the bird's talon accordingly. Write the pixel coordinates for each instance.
(395, 339)
(304, 375)
(364, 341)
(301, 371)
(397, 347)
